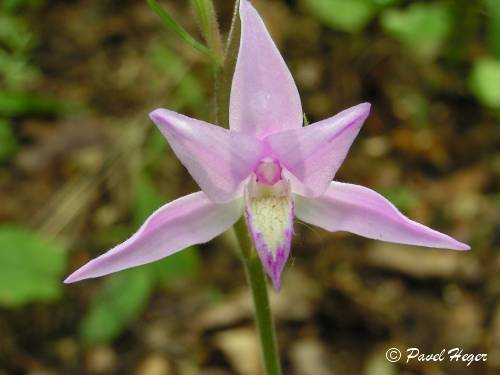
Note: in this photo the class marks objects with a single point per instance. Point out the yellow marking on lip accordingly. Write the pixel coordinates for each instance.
(270, 209)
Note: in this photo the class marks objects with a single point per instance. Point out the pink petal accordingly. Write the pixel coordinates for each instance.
(189, 220)
(314, 153)
(218, 160)
(264, 98)
(362, 211)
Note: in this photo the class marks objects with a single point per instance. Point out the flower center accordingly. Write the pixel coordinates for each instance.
(268, 172)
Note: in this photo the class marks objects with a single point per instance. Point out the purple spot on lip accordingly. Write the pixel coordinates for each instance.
(273, 265)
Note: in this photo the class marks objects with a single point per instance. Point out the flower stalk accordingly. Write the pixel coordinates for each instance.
(204, 10)
(224, 75)
(258, 285)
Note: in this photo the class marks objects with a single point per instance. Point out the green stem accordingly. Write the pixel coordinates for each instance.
(258, 284)
(170, 22)
(224, 75)
(205, 13)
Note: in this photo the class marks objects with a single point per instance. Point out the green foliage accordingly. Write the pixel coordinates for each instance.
(8, 141)
(15, 104)
(16, 43)
(412, 101)
(422, 27)
(173, 25)
(189, 92)
(126, 294)
(350, 16)
(14, 5)
(184, 264)
(14, 33)
(493, 11)
(30, 267)
(484, 81)
(147, 199)
(155, 147)
(401, 197)
(123, 298)
(17, 73)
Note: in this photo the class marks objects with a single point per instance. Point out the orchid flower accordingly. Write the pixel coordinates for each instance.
(267, 167)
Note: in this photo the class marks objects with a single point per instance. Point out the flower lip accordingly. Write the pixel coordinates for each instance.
(269, 213)
(268, 172)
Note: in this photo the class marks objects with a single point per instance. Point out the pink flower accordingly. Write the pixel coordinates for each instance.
(267, 167)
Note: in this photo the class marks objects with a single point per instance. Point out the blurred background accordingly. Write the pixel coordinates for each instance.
(81, 167)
